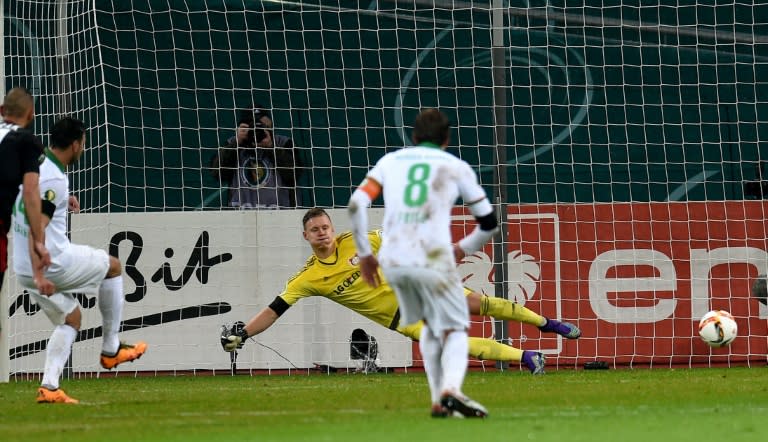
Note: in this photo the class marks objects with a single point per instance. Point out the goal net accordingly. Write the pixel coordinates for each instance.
(623, 143)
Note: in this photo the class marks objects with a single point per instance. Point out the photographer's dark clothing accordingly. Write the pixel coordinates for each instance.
(258, 177)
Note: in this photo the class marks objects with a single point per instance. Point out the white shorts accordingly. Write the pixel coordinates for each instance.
(434, 296)
(88, 268)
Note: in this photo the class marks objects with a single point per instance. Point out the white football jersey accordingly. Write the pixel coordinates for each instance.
(421, 185)
(54, 187)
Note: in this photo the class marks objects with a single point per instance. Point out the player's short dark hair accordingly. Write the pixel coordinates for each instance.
(313, 213)
(17, 102)
(66, 131)
(432, 126)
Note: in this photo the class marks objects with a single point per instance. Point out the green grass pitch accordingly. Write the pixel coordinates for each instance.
(608, 405)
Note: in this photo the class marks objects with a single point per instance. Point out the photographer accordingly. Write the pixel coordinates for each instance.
(259, 167)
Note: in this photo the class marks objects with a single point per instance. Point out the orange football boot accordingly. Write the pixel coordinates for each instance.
(46, 396)
(125, 353)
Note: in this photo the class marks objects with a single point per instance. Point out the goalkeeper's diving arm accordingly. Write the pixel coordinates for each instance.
(237, 335)
(262, 321)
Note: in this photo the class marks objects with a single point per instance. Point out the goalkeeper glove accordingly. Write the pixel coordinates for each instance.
(233, 338)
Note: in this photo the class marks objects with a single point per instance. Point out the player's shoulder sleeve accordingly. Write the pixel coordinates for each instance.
(53, 186)
(343, 236)
(469, 188)
(377, 171)
(297, 287)
(345, 245)
(374, 236)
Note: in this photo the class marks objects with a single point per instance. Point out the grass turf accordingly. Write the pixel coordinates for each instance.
(607, 405)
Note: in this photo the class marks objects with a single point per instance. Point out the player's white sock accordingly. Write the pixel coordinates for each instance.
(454, 360)
(111, 299)
(57, 353)
(431, 349)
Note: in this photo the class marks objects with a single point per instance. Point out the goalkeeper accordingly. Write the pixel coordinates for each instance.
(332, 271)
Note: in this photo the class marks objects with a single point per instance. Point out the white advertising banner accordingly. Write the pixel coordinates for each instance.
(185, 275)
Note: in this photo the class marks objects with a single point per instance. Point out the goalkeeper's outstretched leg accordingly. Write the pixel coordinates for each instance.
(505, 309)
(489, 349)
(485, 349)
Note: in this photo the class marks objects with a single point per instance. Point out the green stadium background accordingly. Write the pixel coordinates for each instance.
(595, 113)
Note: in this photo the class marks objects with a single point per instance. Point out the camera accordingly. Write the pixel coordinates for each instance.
(259, 131)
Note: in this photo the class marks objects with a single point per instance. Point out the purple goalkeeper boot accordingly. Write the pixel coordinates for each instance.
(534, 361)
(565, 329)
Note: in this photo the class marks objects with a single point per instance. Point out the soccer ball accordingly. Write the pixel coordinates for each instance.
(718, 328)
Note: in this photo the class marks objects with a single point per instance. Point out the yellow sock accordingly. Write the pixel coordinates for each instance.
(488, 349)
(479, 348)
(505, 309)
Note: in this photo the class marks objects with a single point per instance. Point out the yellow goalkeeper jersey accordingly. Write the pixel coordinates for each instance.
(338, 278)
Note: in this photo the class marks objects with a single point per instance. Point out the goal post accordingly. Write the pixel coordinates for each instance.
(624, 144)
(4, 360)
